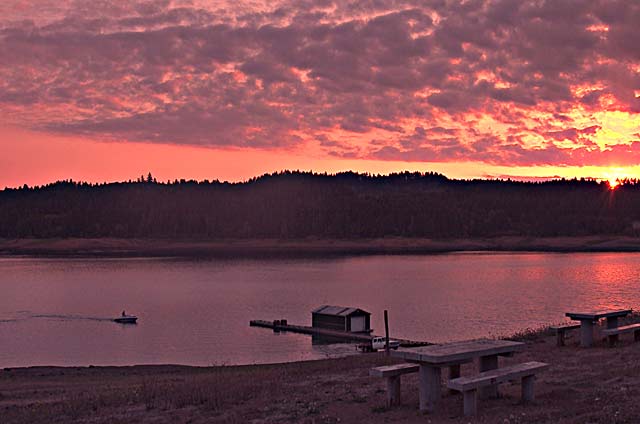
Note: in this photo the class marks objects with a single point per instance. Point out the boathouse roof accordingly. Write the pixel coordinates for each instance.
(339, 310)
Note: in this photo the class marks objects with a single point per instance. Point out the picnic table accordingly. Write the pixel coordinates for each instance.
(432, 358)
(587, 319)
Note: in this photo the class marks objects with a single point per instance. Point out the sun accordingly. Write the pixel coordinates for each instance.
(613, 183)
(614, 177)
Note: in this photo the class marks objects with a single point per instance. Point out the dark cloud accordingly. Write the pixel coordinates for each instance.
(573, 134)
(496, 81)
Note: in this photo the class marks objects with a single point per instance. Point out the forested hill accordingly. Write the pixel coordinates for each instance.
(294, 205)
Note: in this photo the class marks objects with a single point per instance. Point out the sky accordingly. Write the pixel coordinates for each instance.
(106, 90)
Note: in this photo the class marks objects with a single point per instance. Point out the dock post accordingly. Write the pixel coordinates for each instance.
(386, 332)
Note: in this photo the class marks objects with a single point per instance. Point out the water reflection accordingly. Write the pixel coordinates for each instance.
(197, 312)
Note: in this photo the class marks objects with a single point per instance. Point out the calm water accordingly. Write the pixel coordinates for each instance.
(56, 311)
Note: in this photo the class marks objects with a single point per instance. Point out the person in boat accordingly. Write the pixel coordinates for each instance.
(123, 314)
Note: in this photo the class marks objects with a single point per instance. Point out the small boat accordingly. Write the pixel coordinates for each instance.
(126, 319)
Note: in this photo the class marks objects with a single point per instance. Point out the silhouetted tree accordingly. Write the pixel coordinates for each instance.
(301, 204)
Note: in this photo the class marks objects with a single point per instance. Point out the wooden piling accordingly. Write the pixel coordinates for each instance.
(386, 332)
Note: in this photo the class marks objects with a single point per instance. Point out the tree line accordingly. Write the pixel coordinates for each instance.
(297, 205)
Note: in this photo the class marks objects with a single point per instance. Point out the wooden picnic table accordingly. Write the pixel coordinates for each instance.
(432, 358)
(587, 319)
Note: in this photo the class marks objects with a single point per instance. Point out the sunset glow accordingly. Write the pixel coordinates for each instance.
(186, 88)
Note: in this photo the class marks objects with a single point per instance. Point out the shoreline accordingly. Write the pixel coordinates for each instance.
(575, 388)
(110, 247)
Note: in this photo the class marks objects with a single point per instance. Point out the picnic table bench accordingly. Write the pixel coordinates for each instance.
(561, 331)
(432, 358)
(470, 385)
(612, 333)
(392, 374)
(587, 319)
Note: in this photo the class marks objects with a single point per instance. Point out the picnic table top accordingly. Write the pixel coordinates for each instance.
(458, 351)
(596, 315)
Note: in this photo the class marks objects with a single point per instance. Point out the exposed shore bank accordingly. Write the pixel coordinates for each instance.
(596, 385)
(308, 247)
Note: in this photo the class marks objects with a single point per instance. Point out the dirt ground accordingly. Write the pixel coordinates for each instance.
(595, 385)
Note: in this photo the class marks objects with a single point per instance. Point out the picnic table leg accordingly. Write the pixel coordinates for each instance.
(454, 372)
(488, 363)
(559, 337)
(527, 388)
(586, 333)
(393, 391)
(612, 322)
(429, 388)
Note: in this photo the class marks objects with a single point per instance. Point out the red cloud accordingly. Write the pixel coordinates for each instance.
(386, 74)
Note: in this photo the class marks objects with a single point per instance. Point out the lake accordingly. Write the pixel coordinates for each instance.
(197, 312)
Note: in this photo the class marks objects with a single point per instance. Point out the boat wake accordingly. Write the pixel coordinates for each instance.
(25, 315)
(64, 317)
(15, 317)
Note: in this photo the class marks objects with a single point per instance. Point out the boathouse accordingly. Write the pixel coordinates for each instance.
(341, 318)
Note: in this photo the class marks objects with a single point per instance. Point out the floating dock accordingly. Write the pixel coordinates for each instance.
(342, 335)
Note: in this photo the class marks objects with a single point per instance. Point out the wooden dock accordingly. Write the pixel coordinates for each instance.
(356, 337)
(342, 335)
